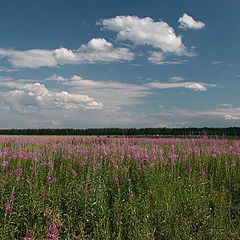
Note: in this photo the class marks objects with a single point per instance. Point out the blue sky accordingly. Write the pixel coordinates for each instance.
(118, 63)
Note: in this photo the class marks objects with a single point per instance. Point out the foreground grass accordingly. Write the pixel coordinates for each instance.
(99, 188)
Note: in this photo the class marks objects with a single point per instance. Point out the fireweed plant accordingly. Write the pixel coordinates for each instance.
(119, 188)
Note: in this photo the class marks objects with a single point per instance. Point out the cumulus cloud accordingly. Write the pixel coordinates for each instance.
(99, 44)
(145, 31)
(96, 50)
(24, 97)
(187, 21)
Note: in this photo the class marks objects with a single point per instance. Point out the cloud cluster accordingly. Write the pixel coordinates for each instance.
(116, 94)
(139, 31)
(25, 97)
(36, 100)
(187, 21)
(97, 50)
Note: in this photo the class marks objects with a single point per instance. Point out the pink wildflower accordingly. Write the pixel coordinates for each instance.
(18, 171)
(33, 169)
(116, 180)
(8, 207)
(202, 173)
(28, 238)
(52, 231)
(50, 178)
(12, 198)
(86, 190)
(4, 164)
(73, 173)
(3, 182)
(190, 169)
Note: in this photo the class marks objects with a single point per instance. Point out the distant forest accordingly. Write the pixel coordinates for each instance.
(157, 132)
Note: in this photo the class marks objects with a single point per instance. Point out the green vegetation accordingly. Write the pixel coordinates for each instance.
(118, 188)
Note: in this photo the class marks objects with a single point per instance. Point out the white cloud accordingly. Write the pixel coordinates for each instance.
(97, 50)
(34, 58)
(69, 104)
(187, 21)
(230, 117)
(190, 85)
(196, 86)
(116, 94)
(55, 77)
(145, 31)
(34, 96)
(99, 44)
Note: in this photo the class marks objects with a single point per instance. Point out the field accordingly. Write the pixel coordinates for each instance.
(119, 188)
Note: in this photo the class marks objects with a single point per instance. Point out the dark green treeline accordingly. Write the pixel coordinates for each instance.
(167, 132)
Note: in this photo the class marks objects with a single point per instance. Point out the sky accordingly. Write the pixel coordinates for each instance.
(119, 63)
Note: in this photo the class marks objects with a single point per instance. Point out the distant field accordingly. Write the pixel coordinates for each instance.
(119, 188)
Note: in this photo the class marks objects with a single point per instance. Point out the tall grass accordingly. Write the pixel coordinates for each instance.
(103, 188)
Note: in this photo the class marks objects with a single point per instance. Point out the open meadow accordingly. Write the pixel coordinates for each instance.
(119, 188)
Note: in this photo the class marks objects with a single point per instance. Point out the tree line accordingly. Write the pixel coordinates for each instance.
(167, 132)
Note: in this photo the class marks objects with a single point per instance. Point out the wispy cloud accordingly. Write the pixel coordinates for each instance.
(225, 105)
(230, 117)
(159, 58)
(217, 62)
(8, 70)
(176, 79)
